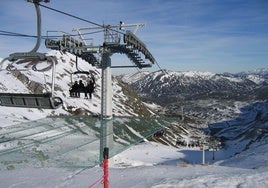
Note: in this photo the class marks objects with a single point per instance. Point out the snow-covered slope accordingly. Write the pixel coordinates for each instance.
(144, 165)
(242, 162)
(30, 81)
(226, 102)
(245, 136)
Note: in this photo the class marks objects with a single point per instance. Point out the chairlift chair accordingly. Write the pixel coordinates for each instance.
(27, 100)
(79, 75)
(76, 77)
(33, 100)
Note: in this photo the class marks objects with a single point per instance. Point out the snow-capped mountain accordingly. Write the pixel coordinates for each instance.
(222, 104)
(261, 71)
(204, 95)
(169, 85)
(205, 98)
(25, 80)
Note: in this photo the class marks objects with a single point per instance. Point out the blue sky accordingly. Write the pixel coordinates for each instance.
(198, 35)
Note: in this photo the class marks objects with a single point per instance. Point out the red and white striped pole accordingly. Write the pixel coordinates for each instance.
(105, 167)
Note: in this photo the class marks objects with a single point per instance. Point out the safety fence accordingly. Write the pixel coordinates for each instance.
(72, 141)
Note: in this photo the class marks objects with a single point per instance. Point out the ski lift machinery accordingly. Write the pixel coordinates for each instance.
(26, 100)
(131, 46)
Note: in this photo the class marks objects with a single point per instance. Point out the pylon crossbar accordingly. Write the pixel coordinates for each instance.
(131, 46)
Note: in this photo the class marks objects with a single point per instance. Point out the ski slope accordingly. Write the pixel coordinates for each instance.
(145, 165)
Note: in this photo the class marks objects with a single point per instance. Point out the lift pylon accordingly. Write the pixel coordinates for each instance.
(116, 40)
(131, 46)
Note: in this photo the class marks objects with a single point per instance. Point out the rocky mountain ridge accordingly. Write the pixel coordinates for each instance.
(168, 85)
(205, 95)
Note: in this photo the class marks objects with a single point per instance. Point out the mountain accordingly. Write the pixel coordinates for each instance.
(25, 80)
(261, 71)
(233, 106)
(200, 93)
(197, 99)
(244, 136)
(230, 108)
(168, 85)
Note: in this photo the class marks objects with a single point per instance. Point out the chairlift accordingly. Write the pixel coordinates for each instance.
(80, 83)
(33, 100)
(80, 75)
(26, 100)
(80, 80)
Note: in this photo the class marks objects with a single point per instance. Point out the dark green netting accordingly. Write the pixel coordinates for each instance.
(72, 141)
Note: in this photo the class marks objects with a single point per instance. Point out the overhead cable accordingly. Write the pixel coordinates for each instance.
(82, 19)
(8, 33)
(164, 71)
(12, 34)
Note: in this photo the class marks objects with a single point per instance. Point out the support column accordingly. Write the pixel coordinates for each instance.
(106, 136)
(106, 107)
(203, 156)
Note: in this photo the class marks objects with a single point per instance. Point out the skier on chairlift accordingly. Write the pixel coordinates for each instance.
(74, 90)
(81, 88)
(89, 89)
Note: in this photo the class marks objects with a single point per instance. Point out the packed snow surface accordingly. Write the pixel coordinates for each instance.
(145, 165)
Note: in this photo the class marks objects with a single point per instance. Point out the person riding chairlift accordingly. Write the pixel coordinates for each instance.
(77, 88)
(89, 89)
(81, 87)
(74, 90)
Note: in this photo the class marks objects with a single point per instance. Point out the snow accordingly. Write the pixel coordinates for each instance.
(147, 164)
(10, 116)
(198, 73)
(144, 165)
(256, 79)
(65, 66)
(260, 71)
(193, 74)
(131, 78)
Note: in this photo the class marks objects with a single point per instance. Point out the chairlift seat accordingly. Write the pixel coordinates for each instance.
(23, 100)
